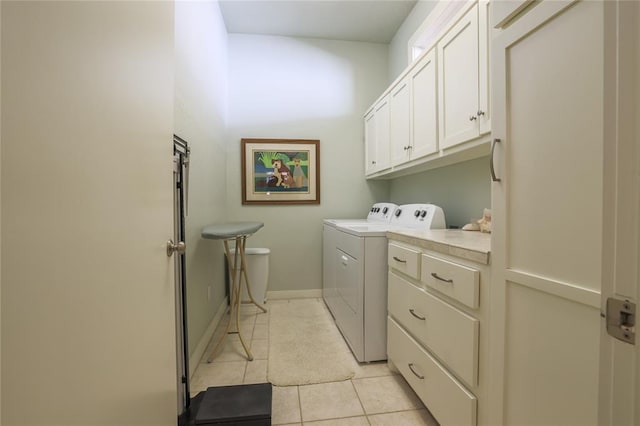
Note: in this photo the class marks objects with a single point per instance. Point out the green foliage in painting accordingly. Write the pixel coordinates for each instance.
(267, 158)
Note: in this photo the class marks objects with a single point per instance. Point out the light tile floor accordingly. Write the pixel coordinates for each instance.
(375, 396)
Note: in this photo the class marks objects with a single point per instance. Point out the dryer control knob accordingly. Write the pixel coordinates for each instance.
(385, 210)
(423, 213)
(416, 213)
(398, 212)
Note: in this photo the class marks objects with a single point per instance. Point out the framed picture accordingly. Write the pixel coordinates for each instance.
(280, 171)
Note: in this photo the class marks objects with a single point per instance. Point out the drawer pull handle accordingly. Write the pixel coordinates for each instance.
(416, 315)
(437, 277)
(397, 259)
(414, 372)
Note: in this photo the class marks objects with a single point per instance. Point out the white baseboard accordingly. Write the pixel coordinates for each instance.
(198, 352)
(293, 294)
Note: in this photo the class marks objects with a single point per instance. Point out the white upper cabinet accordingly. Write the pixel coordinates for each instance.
(370, 142)
(413, 118)
(424, 113)
(400, 122)
(463, 109)
(377, 137)
(484, 74)
(438, 110)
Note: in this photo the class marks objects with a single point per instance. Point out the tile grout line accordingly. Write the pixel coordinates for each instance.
(299, 404)
(360, 400)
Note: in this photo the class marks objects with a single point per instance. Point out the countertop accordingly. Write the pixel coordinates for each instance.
(470, 245)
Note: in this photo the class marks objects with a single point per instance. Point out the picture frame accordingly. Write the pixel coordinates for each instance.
(280, 171)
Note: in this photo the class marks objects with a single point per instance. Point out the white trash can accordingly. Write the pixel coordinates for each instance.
(257, 271)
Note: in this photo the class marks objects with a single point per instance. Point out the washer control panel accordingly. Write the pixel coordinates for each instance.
(381, 212)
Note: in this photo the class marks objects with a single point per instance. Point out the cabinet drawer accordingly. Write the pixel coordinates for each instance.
(456, 281)
(448, 332)
(448, 400)
(404, 260)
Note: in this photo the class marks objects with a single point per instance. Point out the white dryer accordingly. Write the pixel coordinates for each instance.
(358, 299)
(379, 213)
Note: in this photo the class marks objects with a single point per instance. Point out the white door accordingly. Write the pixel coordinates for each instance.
(619, 360)
(88, 313)
(547, 85)
(370, 142)
(424, 107)
(399, 105)
(484, 74)
(458, 81)
(382, 135)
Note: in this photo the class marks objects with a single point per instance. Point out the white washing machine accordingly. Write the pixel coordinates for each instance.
(355, 281)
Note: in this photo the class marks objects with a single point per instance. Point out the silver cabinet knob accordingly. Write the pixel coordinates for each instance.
(480, 113)
(179, 247)
(473, 117)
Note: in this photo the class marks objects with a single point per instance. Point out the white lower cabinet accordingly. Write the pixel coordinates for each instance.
(437, 332)
(451, 334)
(448, 400)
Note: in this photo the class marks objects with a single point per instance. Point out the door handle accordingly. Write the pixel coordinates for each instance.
(179, 247)
(491, 168)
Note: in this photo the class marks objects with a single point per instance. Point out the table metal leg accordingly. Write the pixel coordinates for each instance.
(240, 242)
(236, 287)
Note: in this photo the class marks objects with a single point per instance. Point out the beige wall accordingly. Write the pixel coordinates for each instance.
(282, 87)
(200, 118)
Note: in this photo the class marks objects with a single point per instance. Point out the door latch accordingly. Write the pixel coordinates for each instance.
(621, 319)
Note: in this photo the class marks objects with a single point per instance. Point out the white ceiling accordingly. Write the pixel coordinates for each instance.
(373, 21)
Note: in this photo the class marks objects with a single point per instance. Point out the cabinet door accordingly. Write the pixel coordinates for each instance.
(484, 53)
(424, 107)
(458, 81)
(547, 86)
(382, 134)
(399, 104)
(370, 142)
